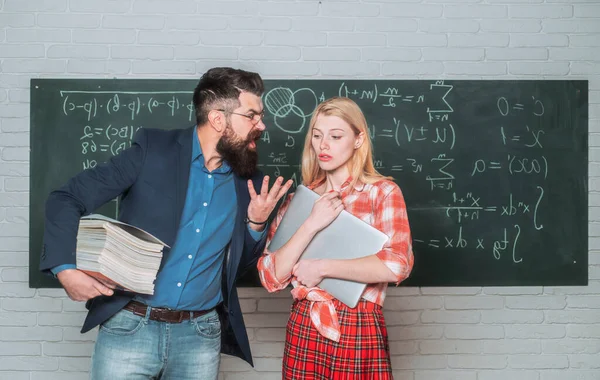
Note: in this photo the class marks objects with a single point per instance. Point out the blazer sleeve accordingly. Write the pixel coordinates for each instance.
(266, 263)
(83, 194)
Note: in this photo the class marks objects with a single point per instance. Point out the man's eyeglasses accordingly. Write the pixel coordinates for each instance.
(254, 118)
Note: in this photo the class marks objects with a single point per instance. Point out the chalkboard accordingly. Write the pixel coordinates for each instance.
(494, 173)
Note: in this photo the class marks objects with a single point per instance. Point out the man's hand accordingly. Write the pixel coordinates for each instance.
(261, 205)
(81, 287)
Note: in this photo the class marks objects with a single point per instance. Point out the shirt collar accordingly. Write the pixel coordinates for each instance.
(344, 190)
(197, 155)
(196, 149)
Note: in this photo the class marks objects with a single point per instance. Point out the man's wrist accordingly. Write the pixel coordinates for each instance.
(247, 220)
(59, 268)
(257, 227)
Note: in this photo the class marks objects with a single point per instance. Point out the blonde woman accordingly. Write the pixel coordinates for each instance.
(326, 339)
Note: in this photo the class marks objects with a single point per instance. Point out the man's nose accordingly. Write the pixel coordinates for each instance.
(261, 125)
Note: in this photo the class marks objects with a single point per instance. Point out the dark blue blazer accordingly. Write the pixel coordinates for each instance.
(152, 179)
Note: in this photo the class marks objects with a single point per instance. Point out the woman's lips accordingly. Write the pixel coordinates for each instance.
(324, 157)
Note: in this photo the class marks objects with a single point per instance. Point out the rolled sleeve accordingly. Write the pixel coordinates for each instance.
(266, 270)
(391, 218)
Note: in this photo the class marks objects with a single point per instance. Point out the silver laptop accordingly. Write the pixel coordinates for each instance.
(347, 237)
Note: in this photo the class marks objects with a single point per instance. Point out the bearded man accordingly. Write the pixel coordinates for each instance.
(194, 189)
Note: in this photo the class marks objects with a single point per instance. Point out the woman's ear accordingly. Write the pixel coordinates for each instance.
(360, 139)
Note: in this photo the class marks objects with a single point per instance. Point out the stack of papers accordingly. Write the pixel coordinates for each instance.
(118, 253)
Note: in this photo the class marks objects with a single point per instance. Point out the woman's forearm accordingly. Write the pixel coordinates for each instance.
(287, 256)
(369, 270)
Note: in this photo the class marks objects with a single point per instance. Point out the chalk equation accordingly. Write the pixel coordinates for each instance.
(505, 243)
(94, 104)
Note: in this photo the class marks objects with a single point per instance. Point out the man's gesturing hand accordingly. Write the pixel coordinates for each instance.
(262, 204)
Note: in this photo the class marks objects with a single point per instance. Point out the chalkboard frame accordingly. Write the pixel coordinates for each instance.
(44, 90)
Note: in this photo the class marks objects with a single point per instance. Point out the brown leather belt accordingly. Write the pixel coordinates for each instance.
(164, 315)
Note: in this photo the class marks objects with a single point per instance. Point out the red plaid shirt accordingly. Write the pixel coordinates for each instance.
(381, 205)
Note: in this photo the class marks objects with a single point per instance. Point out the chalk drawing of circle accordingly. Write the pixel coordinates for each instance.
(279, 101)
(291, 123)
(306, 97)
(282, 103)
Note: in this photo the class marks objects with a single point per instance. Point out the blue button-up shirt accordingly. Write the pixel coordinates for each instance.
(190, 275)
(190, 278)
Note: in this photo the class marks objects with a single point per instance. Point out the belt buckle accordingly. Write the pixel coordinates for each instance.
(160, 315)
(171, 316)
(167, 315)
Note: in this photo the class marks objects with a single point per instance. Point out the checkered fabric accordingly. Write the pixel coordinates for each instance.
(361, 354)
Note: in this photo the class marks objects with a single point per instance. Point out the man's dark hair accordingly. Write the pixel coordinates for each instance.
(220, 88)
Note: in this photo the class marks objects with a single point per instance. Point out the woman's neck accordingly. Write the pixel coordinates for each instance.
(334, 180)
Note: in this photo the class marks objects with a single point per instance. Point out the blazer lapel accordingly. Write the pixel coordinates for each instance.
(237, 241)
(184, 161)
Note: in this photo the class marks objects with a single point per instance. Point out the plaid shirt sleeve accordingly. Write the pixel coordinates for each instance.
(391, 218)
(266, 264)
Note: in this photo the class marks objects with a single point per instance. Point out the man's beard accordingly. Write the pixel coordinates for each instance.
(237, 153)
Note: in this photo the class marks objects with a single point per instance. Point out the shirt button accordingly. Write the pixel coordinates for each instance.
(209, 176)
(189, 256)
(197, 230)
(205, 204)
(179, 284)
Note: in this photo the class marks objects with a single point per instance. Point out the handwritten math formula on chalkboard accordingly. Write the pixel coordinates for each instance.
(494, 173)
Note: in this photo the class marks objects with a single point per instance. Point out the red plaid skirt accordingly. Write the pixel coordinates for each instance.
(362, 352)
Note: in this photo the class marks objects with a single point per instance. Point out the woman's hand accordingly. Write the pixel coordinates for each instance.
(310, 272)
(324, 211)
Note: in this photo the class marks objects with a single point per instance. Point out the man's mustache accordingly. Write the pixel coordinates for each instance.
(254, 135)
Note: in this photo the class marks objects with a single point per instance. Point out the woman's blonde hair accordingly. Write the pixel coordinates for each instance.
(360, 164)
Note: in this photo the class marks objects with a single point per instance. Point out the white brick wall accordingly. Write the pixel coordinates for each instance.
(528, 333)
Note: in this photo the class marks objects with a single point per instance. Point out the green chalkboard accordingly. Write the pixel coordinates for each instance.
(494, 173)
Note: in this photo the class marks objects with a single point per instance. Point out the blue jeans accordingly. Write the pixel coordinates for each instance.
(133, 347)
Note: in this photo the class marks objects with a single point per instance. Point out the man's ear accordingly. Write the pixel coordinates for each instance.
(216, 119)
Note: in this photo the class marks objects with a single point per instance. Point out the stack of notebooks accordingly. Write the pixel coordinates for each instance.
(118, 253)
